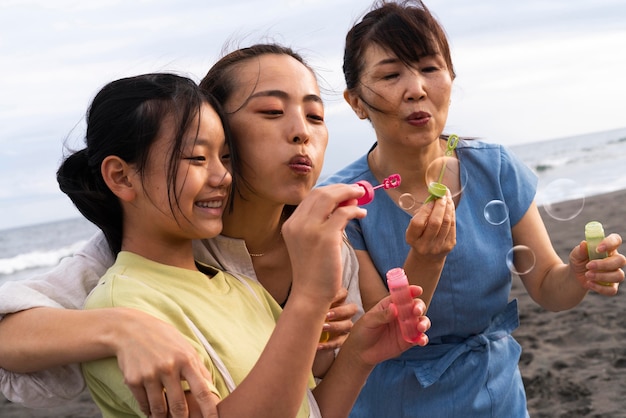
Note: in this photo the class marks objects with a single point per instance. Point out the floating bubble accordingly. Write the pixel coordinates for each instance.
(406, 201)
(449, 171)
(553, 196)
(496, 212)
(520, 260)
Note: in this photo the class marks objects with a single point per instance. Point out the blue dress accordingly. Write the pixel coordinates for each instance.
(470, 366)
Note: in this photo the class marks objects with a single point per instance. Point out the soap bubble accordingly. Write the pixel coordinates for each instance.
(406, 201)
(496, 212)
(454, 174)
(520, 260)
(562, 190)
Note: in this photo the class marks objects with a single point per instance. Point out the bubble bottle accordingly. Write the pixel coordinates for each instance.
(594, 233)
(401, 297)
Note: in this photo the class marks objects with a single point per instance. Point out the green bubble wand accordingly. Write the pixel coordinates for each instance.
(437, 189)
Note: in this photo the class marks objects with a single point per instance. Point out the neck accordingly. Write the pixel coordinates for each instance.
(178, 253)
(257, 223)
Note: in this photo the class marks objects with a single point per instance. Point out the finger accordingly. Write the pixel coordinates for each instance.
(140, 395)
(611, 242)
(338, 327)
(340, 297)
(339, 313)
(198, 379)
(156, 399)
(175, 397)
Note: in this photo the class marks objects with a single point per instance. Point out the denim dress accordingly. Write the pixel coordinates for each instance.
(470, 367)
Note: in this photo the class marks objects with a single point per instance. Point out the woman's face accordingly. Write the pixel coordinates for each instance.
(413, 101)
(276, 116)
(202, 183)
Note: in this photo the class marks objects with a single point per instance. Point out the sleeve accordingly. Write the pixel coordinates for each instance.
(104, 377)
(519, 185)
(66, 286)
(351, 278)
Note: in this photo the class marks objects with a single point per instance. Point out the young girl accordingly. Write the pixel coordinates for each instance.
(154, 177)
(275, 110)
(399, 77)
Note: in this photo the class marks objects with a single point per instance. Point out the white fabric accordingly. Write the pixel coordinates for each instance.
(66, 286)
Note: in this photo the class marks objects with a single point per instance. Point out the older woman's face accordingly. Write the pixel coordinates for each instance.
(413, 101)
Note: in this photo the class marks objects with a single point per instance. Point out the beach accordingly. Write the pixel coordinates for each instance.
(573, 363)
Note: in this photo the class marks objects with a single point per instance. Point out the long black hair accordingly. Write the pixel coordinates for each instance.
(124, 120)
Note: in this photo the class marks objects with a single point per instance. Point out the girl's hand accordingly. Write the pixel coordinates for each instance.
(154, 356)
(604, 275)
(377, 335)
(314, 236)
(339, 321)
(432, 230)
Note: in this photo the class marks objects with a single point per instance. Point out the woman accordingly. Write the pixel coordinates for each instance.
(399, 76)
(260, 204)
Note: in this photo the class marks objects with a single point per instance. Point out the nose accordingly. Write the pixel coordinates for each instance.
(221, 177)
(415, 89)
(300, 133)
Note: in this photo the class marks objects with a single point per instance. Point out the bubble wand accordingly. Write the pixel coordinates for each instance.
(437, 189)
(390, 182)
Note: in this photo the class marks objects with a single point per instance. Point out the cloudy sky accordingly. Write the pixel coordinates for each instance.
(527, 71)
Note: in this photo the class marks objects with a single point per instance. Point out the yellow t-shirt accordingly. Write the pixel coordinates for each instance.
(236, 316)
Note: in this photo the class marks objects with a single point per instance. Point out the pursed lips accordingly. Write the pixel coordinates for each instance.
(301, 164)
(418, 118)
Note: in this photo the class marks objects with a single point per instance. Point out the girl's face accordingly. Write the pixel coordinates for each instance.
(276, 115)
(413, 101)
(194, 208)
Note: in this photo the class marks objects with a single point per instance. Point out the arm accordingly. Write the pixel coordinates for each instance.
(375, 337)
(313, 235)
(557, 286)
(148, 350)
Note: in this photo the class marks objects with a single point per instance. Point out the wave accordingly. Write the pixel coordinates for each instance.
(37, 259)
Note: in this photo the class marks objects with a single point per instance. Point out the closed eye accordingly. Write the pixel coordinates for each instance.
(196, 159)
(390, 76)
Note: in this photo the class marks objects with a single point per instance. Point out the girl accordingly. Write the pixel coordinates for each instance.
(399, 76)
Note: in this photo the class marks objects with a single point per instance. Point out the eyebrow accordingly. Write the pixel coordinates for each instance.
(393, 60)
(283, 95)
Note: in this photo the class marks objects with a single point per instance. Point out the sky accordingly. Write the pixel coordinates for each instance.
(527, 71)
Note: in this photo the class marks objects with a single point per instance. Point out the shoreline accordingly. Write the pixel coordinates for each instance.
(573, 362)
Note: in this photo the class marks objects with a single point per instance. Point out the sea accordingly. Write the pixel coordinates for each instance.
(568, 168)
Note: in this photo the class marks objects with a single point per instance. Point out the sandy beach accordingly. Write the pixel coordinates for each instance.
(573, 362)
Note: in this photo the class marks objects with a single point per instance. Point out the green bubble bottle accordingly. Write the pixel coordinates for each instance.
(594, 233)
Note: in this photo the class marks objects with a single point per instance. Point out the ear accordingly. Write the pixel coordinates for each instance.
(355, 103)
(119, 177)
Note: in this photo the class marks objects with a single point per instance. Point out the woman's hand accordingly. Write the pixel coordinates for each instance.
(603, 275)
(339, 322)
(334, 332)
(376, 335)
(432, 230)
(154, 358)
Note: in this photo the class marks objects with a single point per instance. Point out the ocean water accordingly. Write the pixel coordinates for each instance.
(568, 168)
